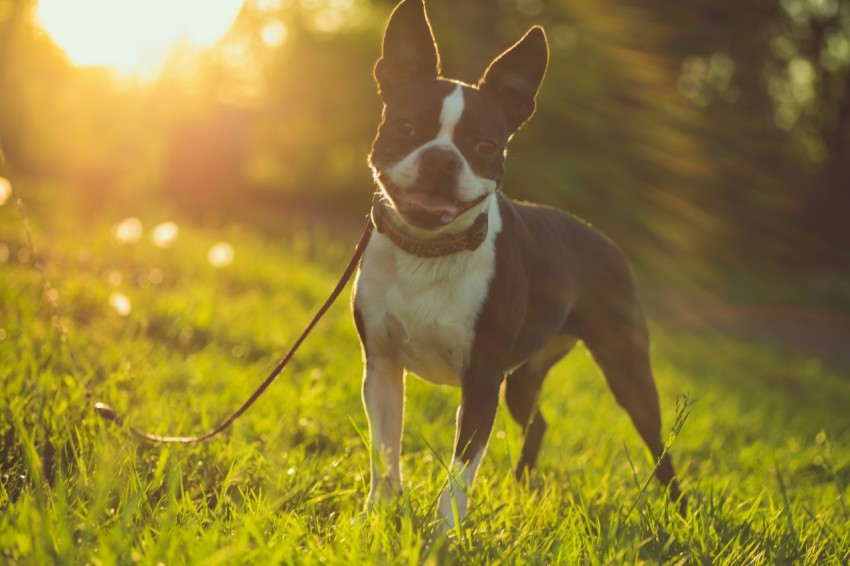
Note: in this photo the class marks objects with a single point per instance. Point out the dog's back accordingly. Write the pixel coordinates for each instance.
(575, 273)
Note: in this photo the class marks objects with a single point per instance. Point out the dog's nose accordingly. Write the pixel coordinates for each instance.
(440, 162)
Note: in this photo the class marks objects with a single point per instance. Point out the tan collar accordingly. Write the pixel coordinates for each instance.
(468, 240)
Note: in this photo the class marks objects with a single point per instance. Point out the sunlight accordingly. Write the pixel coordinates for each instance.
(130, 36)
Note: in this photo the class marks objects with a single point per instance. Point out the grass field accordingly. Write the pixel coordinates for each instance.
(764, 452)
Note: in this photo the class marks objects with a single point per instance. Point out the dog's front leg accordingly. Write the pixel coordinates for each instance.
(383, 398)
(475, 416)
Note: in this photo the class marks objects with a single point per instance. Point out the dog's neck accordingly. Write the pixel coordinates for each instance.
(450, 244)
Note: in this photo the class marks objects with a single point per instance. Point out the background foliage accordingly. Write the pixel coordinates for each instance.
(708, 137)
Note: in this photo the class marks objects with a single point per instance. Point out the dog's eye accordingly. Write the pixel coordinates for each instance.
(404, 128)
(486, 148)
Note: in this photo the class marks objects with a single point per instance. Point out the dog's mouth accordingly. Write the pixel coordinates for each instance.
(427, 209)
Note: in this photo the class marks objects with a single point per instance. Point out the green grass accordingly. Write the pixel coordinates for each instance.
(764, 453)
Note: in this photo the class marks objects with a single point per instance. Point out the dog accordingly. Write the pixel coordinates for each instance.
(464, 287)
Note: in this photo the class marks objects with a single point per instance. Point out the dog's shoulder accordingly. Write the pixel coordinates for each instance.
(544, 221)
(538, 225)
(556, 239)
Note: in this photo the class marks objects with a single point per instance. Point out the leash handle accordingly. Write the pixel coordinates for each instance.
(108, 414)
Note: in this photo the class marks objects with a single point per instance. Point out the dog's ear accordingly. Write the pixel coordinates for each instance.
(409, 51)
(514, 76)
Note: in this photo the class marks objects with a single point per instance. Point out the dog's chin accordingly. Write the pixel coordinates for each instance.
(424, 219)
(427, 210)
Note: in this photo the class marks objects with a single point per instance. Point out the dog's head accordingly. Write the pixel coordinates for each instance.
(440, 149)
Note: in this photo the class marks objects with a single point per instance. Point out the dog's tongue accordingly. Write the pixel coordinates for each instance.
(433, 203)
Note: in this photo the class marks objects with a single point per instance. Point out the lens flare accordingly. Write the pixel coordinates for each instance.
(133, 36)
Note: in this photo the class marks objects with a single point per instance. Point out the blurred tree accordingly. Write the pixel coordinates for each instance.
(709, 137)
(809, 80)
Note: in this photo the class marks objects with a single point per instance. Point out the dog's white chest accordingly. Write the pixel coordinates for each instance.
(422, 311)
(430, 326)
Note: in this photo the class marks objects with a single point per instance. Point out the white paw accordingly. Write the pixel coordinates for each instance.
(451, 509)
(382, 491)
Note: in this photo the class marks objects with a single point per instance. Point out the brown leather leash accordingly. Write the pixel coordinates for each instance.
(469, 240)
(109, 414)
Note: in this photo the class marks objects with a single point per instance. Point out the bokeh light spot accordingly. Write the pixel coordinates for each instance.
(120, 303)
(163, 235)
(270, 5)
(5, 190)
(274, 33)
(128, 231)
(328, 20)
(113, 277)
(220, 255)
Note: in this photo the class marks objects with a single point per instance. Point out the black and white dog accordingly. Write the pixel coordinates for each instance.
(464, 287)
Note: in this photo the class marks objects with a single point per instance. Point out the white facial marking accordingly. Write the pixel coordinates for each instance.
(470, 185)
(450, 114)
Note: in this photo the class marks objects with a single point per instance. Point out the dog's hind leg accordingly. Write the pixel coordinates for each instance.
(522, 388)
(620, 346)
